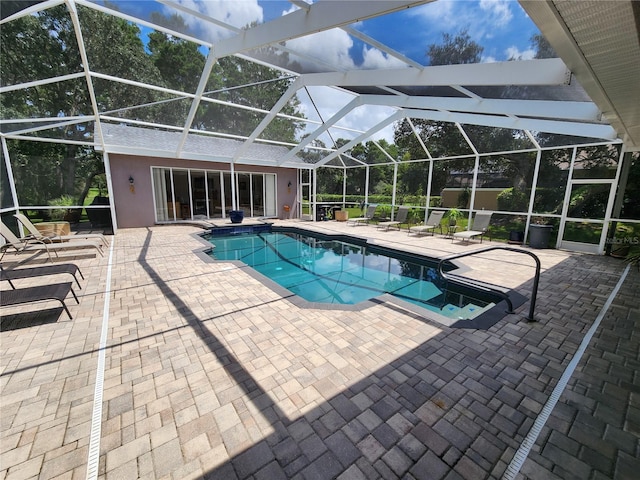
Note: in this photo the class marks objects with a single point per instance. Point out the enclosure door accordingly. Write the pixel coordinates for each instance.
(582, 228)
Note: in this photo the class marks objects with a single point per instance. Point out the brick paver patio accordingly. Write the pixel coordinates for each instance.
(208, 373)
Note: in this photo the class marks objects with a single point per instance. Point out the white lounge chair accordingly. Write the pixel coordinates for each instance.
(52, 237)
(479, 228)
(433, 222)
(368, 216)
(26, 244)
(401, 217)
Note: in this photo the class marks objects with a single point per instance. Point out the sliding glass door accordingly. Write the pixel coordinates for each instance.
(185, 194)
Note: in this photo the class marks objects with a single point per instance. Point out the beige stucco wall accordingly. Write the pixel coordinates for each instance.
(486, 198)
(136, 209)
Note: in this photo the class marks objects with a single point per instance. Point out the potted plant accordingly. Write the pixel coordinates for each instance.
(633, 257)
(453, 215)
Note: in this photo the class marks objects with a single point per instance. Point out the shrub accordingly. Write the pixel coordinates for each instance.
(63, 203)
(512, 200)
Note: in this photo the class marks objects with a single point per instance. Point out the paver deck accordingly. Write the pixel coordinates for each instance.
(210, 374)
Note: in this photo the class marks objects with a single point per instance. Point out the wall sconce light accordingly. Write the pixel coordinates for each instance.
(289, 184)
(289, 187)
(132, 187)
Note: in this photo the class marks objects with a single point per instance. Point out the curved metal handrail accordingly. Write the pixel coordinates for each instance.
(536, 280)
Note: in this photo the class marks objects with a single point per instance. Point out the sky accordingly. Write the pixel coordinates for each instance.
(501, 27)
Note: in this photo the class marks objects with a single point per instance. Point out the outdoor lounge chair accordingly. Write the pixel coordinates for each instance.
(479, 228)
(401, 217)
(433, 222)
(53, 238)
(14, 274)
(55, 291)
(368, 216)
(31, 245)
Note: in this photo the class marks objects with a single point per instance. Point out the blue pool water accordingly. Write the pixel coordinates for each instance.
(331, 271)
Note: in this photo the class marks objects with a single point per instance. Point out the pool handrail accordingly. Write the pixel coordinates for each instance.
(536, 280)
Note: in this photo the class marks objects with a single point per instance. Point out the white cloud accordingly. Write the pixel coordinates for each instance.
(499, 11)
(330, 100)
(442, 13)
(331, 46)
(374, 58)
(516, 54)
(235, 13)
(292, 9)
(327, 100)
(364, 118)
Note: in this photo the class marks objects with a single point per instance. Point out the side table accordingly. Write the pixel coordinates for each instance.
(451, 229)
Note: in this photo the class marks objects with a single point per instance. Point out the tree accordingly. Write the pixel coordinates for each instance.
(380, 176)
(44, 46)
(441, 138)
(455, 50)
(542, 46)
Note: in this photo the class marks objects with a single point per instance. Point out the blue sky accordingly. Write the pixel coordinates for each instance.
(500, 26)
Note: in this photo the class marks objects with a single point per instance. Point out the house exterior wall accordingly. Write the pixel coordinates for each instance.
(486, 198)
(136, 209)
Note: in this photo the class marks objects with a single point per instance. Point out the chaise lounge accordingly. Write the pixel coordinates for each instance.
(55, 291)
(368, 216)
(433, 222)
(401, 217)
(20, 245)
(479, 228)
(53, 238)
(19, 273)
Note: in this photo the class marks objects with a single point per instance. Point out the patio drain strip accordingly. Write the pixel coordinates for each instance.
(523, 452)
(96, 418)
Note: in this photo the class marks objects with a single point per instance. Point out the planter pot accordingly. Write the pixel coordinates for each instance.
(236, 216)
(73, 215)
(619, 250)
(341, 215)
(539, 235)
(516, 237)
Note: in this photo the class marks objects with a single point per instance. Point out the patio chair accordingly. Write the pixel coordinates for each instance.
(55, 291)
(479, 228)
(401, 217)
(15, 274)
(53, 238)
(433, 222)
(368, 216)
(26, 244)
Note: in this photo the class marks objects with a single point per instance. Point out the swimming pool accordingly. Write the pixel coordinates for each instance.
(328, 270)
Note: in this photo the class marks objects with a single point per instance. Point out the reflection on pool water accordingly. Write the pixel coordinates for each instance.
(332, 271)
